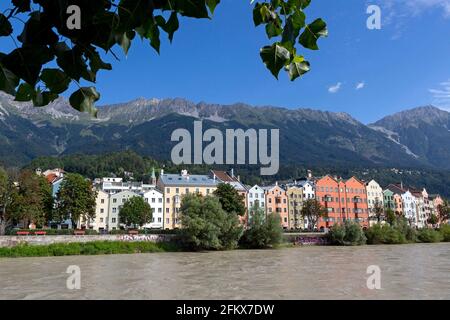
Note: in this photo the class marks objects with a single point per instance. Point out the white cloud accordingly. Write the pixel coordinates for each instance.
(335, 88)
(412, 8)
(441, 96)
(398, 13)
(360, 85)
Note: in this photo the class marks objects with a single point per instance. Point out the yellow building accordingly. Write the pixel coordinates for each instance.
(174, 186)
(295, 201)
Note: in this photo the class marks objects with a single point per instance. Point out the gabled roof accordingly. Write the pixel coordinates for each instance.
(224, 177)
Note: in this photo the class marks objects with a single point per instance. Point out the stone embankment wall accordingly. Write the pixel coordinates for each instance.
(11, 241)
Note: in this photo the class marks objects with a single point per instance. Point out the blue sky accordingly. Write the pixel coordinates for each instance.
(403, 65)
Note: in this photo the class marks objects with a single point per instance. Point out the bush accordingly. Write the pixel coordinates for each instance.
(263, 232)
(401, 224)
(347, 234)
(384, 234)
(206, 226)
(429, 236)
(445, 232)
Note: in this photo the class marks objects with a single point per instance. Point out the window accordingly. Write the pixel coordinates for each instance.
(160, 200)
(153, 200)
(102, 210)
(146, 199)
(159, 210)
(207, 191)
(167, 210)
(167, 190)
(102, 201)
(167, 220)
(114, 200)
(167, 200)
(159, 219)
(177, 190)
(186, 190)
(101, 220)
(114, 210)
(113, 220)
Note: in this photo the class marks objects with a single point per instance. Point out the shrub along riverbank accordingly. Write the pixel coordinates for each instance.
(399, 232)
(88, 248)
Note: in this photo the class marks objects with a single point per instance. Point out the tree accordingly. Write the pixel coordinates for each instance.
(312, 211)
(205, 225)
(391, 218)
(378, 210)
(6, 190)
(433, 220)
(70, 42)
(135, 212)
(75, 199)
(263, 232)
(348, 233)
(443, 212)
(30, 201)
(232, 202)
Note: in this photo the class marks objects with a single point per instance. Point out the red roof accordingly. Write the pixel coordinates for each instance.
(51, 177)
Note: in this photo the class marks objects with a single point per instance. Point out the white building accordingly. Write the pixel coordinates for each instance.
(256, 195)
(308, 189)
(116, 202)
(410, 208)
(155, 199)
(375, 198)
(101, 211)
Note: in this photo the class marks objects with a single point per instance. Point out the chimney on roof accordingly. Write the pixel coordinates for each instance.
(162, 172)
(239, 178)
(184, 173)
(232, 172)
(309, 174)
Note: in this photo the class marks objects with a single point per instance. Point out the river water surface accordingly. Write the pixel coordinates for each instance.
(418, 271)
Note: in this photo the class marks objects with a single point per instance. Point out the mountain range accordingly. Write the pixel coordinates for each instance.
(416, 138)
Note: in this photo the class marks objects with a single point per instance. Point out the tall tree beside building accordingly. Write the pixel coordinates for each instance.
(205, 225)
(5, 200)
(443, 212)
(30, 201)
(135, 212)
(231, 201)
(312, 211)
(378, 211)
(75, 199)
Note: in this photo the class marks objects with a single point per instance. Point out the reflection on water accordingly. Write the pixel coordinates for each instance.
(419, 271)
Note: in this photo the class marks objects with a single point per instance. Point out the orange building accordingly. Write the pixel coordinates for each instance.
(343, 199)
(277, 201)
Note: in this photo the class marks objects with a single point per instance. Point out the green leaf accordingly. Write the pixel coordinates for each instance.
(5, 26)
(312, 33)
(294, 24)
(8, 80)
(212, 4)
(55, 80)
(275, 58)
(191, 8)
(41, 99)
(26, 62)
(273, 28)
(125, 40)
(25, 92)
(171, 25)
(298, 67)
(84, 100)
(22, 5)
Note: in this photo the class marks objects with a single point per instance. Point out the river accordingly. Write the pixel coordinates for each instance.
(417, 271)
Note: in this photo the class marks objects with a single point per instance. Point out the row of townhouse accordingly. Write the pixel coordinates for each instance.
(344, 199)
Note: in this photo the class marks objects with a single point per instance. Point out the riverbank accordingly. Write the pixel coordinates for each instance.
(87, 248)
